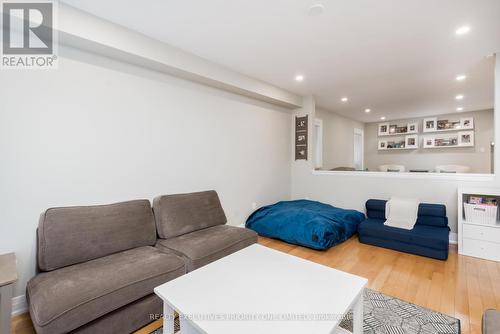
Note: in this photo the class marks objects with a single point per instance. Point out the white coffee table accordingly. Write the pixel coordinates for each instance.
(260, 290)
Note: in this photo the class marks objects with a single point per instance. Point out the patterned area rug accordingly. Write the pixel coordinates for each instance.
(388, 315)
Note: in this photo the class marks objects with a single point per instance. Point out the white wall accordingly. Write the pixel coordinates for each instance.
(98, 131)
(338, 139)
(478, 158)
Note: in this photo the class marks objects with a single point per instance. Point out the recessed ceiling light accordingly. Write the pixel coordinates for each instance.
(459, 97)
(316, 10)
(299, 78)
(367, 110)
(462, 30)
(461, 77)
(460, 109)
(382, 118)
(344, 99)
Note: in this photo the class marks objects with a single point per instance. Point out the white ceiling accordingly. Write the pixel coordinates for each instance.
(397, 57)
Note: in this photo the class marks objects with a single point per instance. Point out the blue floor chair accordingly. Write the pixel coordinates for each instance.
(429, 237)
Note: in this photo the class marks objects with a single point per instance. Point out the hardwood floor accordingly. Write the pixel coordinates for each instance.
(462, 287)
(21, 324)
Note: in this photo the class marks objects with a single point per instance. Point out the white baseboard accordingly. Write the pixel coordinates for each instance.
(453, 238)
(19, 305)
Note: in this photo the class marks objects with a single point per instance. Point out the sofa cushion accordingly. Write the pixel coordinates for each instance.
(440, 254)
(72, 235)
(183, 213)
(204, 246)
(375, 208)
(126, 319)
(421, 235)
(432, 215)
(65, 299)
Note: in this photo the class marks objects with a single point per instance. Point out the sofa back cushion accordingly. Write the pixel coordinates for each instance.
(183, 213)
(428, 214)
(73, 235)
(375, 209)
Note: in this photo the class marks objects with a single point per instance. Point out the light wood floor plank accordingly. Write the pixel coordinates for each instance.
(474, 293)
(461, 294)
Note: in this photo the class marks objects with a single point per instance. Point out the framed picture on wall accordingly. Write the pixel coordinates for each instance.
(466, 138)
(301, 138)
(300, 152)
(393, 129)
(412, 127)
(383, 129)
(301, 123)
(430, 124)
(429, 142)
(382, 144)
(467, 123)
(411, 141)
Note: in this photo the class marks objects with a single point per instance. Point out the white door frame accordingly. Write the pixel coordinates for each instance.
(318, 144)
(362, 133)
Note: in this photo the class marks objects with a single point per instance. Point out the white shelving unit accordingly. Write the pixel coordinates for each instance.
(459, 139)
(435, 125)
(477, 239)
(405, 142)
(446, 130)
(396, 149)
(391, 129)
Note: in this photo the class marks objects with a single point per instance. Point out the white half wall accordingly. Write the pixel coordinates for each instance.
(352, 191)
(99, 131)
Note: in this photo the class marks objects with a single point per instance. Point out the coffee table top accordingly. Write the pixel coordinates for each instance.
(292, 295)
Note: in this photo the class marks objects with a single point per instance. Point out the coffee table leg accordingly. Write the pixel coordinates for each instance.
(5, 308)
(357, 315)
(168, 319)
(187, 327)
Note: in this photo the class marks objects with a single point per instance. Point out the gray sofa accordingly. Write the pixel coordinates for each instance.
(98, 264)
(193, 227)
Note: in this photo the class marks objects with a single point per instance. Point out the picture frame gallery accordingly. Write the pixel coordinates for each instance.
(443, 133)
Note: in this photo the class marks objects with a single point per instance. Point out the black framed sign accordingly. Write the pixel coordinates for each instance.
(301, 126)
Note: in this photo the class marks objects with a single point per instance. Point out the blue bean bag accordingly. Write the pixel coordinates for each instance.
(307, 223)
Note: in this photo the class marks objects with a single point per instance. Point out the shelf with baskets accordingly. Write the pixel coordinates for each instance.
(479, 223)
